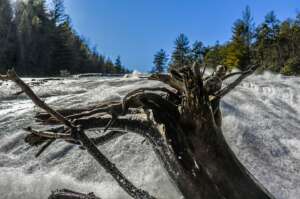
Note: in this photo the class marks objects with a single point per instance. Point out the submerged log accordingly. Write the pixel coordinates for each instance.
(184, 128)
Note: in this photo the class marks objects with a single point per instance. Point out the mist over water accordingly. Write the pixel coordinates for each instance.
(261, 123)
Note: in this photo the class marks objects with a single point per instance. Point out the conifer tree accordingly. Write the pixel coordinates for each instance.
(118, 65)
(198, 52)
(7, 36)
(181, 53)
(160, 61)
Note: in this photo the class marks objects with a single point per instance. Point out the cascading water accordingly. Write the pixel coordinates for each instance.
(261, 123)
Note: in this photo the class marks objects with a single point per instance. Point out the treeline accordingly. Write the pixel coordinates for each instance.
(274, 45)
(39, 40)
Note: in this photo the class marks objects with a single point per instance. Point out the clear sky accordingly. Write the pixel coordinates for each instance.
(136, 29)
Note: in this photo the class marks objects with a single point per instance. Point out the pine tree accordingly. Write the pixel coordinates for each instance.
(198, 52)
(266, 44)
(109, 66)
(7, 36)
(65, 49)
(58, 15)
(239, 49)
(273, 24)
(181, 53)
(249, 26)
(118, 65)
(160, 61)
(38, 40)
(33, 35)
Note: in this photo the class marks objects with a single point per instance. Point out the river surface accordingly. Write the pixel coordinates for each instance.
(261, 123)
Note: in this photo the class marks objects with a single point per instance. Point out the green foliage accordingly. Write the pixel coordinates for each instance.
(291, 67)
(278, 44)
(233, 55)
(118, 63)
(181, 54)
(198, 51)
(238, 50)
(118, 67)
(37, 40)
(57, 13)
(274, 45)
(214, 56)
(7, 36)
(160, 61)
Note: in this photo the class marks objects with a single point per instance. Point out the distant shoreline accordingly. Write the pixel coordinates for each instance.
(76, 75)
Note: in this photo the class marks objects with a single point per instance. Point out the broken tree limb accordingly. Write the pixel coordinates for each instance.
(68, 194)
(171, 163)
(44, 147)
(232, 85)
(64, 112)
(142, 90)
(167, 79)
(11, 75)
(50, 135)
(110, 167)
(77, 133)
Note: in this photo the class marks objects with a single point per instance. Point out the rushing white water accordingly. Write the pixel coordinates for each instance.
(261, 123)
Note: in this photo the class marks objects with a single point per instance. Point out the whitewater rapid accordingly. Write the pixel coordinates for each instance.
(261, 123)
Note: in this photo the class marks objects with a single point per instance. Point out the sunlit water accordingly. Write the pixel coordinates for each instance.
(261, 123)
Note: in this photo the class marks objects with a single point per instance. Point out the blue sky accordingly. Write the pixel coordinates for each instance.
(136, 29)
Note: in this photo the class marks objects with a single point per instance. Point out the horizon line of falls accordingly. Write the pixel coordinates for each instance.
(261, 123)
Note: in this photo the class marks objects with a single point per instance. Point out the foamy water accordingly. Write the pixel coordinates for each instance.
(261, 123)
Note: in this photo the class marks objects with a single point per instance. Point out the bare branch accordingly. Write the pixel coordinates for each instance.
(111, 122)
(167, 79)
(141, 90)
(111, 168)
(196, 69)
(116, 107)
(65, 112)
(77, 133)
(203, 71)
(232, 85)
(44, 147)
(50, 135)
(11, 75)
(231, 75)
(4, 77)
(68, 194)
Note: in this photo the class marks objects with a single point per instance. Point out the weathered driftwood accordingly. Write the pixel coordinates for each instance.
(183, 124)
(68, 194)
